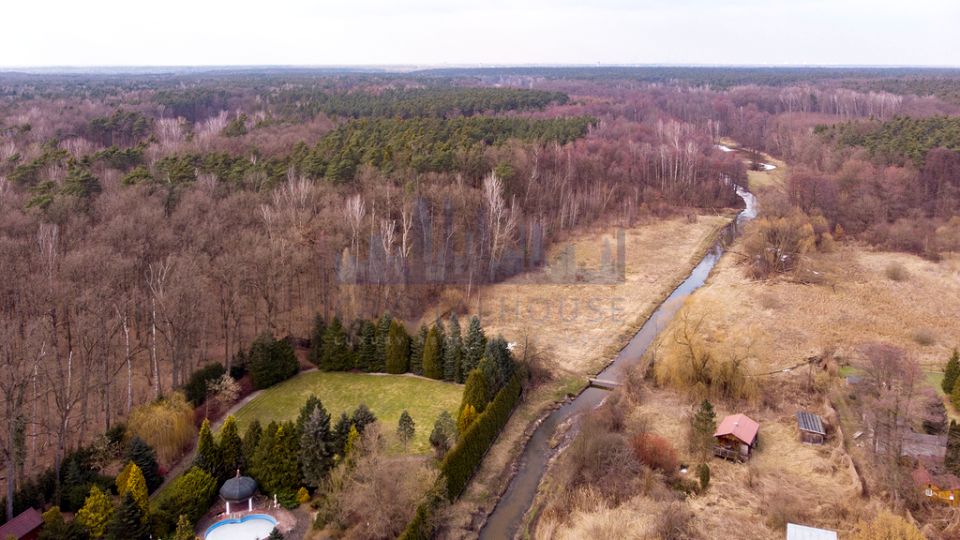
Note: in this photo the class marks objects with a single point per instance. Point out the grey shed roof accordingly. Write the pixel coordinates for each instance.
(800, 532)
(810, 422)
(239, 488)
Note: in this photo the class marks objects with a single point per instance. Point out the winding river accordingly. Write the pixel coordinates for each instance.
(508, 515)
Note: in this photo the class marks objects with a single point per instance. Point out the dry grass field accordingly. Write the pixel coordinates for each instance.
(837, 302)
(560, 322)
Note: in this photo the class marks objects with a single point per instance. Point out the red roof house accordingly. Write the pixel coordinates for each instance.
(736, 437)
(26, 526)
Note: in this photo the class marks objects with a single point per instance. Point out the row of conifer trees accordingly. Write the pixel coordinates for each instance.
(440, 351)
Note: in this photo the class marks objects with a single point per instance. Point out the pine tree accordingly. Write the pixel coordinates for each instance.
(275, 534)
(336, 351)
(466, 417)
(139, 452)
(416, 351)
(251, 438)
(316, 339)
(208, 453)
(441, 336)
(432, 366)
(96, 512)
(383, 334)
(498, 351)
(444, 434)
(367, 348)
(491, 374)
(184, 529)
(474, 346)
(307, 411)
(398, 349)
(406, 428)
(453, 352)
(702, 427)
(128, 522)
(362, 417)
(341, 430)
(231, 447)
(951, 372)
(316, 448)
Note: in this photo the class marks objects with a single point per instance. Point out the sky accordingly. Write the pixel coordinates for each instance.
(41, 33)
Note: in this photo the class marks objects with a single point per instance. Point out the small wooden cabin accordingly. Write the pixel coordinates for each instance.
(944, 488)
(25, 526)
(736, 437)
(811, 428)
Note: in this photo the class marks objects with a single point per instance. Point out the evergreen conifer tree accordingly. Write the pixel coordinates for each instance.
(307, 411)
(951, 372)
(208, 453)
(453, 352)
(316, 339)
(444, 434)
(406, 428)
(367, 347)
(184, 529)
(96, 512)
(416, 351)
(362, 417)
(129, 521)
(251, 438)
(475, 392)
(466, 417)
(316, 448)
(231, 447)
(474, 346)
(341, 430)
(135, 485)
(383, 334)
(702, 427)
(336, 351)
(432, 362)
(398, 349)
(139, 452)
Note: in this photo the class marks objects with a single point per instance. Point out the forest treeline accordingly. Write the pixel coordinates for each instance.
(147, 230)
(899, 139)
(413, 102)
(149, 226)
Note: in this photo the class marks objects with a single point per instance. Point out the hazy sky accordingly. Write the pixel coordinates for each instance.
(428, 32)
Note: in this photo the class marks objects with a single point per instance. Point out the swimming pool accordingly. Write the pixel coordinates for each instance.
(252, 527)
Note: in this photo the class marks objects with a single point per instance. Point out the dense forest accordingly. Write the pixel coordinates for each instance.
(150, 224)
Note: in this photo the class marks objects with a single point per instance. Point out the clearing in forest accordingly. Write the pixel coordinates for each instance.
(386, 395)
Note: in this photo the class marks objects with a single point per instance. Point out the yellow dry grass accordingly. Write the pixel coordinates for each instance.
(854, 303)
(576, 318)
(658, 255)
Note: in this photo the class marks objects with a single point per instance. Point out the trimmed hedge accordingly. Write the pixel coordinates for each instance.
(462, 461)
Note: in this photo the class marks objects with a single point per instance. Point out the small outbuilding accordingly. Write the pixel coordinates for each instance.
(802, 532)
(736, 437)
(811, 428)
(239, 490)
(25, 526)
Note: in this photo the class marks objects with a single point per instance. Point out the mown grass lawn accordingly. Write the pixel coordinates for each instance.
(386, 395)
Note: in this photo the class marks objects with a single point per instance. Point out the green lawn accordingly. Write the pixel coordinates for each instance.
(386, 395)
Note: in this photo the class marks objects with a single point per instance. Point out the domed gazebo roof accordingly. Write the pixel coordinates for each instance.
(238, 488)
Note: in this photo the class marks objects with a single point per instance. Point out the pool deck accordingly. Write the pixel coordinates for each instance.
(287, 521)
